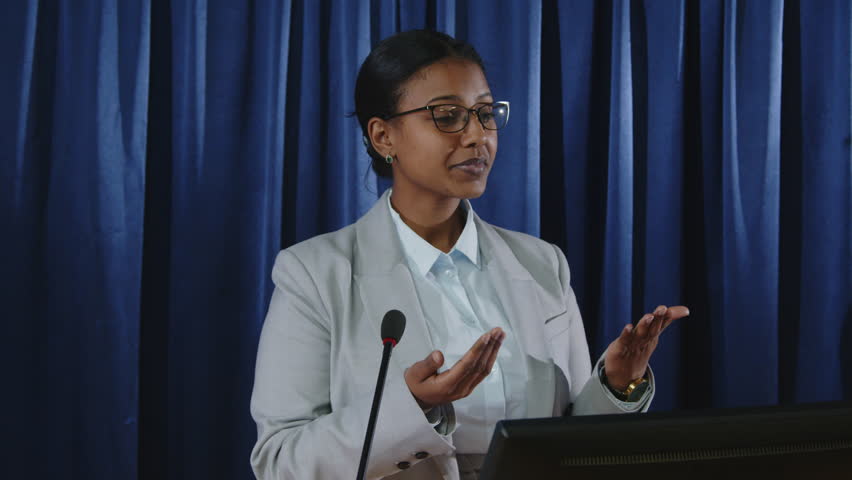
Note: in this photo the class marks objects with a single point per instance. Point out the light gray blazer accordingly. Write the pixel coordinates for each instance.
(320, 351)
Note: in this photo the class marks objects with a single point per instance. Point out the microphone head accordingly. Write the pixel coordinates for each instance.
(392, 326)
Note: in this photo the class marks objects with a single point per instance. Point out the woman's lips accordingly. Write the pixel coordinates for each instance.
(474, 166)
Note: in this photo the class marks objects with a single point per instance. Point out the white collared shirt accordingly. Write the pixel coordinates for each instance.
(469, 307)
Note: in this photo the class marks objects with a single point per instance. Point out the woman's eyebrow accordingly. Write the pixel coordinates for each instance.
(457, 98)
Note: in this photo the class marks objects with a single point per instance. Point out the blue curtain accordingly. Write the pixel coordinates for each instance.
(155, 156)
(74, 94)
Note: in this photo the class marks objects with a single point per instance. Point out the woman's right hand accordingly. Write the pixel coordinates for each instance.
(431, 388)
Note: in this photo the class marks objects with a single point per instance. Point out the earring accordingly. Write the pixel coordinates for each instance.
(388, 159)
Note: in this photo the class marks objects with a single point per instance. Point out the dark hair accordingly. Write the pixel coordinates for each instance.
(389, 65)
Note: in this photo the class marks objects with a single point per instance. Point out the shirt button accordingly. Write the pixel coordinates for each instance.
(403, 465)
(421, 455)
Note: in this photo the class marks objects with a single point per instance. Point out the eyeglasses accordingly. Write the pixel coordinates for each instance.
(451, 118)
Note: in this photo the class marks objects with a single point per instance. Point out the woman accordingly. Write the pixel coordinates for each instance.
(493, 306)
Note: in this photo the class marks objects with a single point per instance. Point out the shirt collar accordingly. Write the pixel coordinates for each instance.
(423, 254)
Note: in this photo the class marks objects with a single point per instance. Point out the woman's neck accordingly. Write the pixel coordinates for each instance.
(439, 222)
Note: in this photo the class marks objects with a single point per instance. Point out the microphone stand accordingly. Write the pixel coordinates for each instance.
(389, 343)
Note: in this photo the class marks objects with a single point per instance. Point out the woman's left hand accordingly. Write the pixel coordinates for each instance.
(627, 356)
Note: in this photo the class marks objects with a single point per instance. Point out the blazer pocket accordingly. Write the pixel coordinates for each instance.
(556, 324)
(557, 332)
(536, 339)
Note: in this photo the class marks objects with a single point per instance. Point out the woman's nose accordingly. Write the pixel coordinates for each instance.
(474, 133)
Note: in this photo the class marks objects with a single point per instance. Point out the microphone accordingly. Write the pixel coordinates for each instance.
(393, 324)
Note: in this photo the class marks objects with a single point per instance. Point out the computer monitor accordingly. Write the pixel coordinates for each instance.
(803, 441)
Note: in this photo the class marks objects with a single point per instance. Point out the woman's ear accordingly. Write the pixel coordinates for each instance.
(379, 135)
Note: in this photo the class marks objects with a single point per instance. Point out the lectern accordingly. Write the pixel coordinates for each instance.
(795, 442)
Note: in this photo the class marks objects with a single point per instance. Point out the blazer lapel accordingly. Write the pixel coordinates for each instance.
(384, 283)
(527, 307)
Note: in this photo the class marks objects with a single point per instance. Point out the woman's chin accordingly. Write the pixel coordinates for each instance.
(470, 190)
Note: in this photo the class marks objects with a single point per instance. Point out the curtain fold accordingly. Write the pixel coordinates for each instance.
(748, 240)
(155, 157)
(220, 231)
(823, 313)
(618, 183)
(659, 242)
(73, 180)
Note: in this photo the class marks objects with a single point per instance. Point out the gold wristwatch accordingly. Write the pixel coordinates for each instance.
(634, 391)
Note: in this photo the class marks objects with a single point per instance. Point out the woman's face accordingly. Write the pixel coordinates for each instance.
(431, 162)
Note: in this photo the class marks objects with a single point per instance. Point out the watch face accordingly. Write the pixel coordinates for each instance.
(637, 392)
